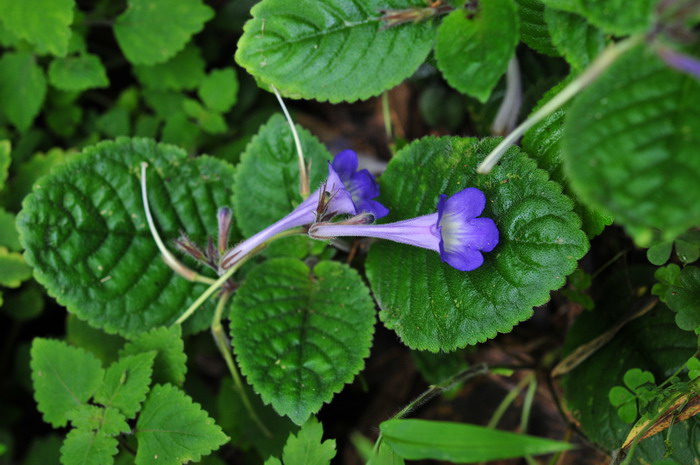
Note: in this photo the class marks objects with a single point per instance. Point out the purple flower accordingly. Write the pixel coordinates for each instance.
(681, 62)
(345, 191)
(455, 231)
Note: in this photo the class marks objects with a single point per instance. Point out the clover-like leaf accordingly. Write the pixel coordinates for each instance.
(300, 334)
(152, 31)
(77, 73)
(630, 143)
(269, 174)
(83, 447)
(336, 50)
(680, 290)
(64, 378)
(473, 51)
(174, 429)
(87, 237)
(126, 383)
(22, 88)
(44, 23)
(435, 307)
(170, 365)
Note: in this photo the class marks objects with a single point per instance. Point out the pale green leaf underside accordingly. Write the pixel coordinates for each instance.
(44, 23)
(301, 334)
(332, 50)
(630, 146)
(86, 235)
(174, 429)
(473, 53)
(152, 31)
(268, 174)
(460, 442)
(434, 307)
(64, 378)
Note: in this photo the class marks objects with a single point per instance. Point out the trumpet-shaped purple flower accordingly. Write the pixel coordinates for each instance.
(345, 191)
(455, 231)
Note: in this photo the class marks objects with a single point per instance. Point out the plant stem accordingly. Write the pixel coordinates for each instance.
(507, 400)
(600, 64)
(303, 175)
(224, 346)
(386, 112)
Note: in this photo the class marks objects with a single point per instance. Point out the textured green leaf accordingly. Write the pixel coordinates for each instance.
(473, 52)
(102, 345)
(269, 170)
(533, 27)
(152, 31)
(88, 448)
(77, 73)
(435, 307)
(87, 238)
(543, 143)
(183, 71)
(13, 269)
(300, 334)
(44, 23)
(170, 364)
(22, 88)
(219, 89)
(652, 343)
(5, 160)
(630, 146)
(576, 40)
(64, 378)
(460, 442)
(307, 447)
(94, 418)
(682, 294)
(334, 50)
(173, 429)
(126, 383)
(619, 17)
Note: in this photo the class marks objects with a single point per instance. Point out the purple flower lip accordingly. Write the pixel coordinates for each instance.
(456, 231)
(345, 191)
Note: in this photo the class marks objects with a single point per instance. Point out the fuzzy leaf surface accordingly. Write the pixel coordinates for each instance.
(300, 334)
(577, 41)
(335, 50)
(533, 27)
(269, 171)
(87, 238)
(473, 52)
(152, 31)
(630, 146)
(64, 378)
(174, 429)
(126, 383)
(170, 365)
(434, 307)
(44, 23)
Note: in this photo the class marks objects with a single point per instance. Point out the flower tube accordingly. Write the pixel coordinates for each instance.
(345, 191)
(454, 231)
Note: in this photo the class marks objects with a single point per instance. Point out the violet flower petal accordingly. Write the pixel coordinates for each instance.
(345, 164)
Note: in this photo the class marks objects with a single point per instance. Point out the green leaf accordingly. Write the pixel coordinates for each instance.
(619, 17)
(170, 364)
(44, 23)
(694, 368)
(126, 383)
(182, 72)
(88, 448)
(164, 103)
(269, 170)
(210, 121)
(174, 429)
(28, 173)
(25, 304)
(181, 131)
(577, 41)
(335, 50)
(115, 122)
(94, 418)
(5, 160)
(635, 378)
(658, 254)
(619, 395)
(300, 334)
(307, 447)
(78, 73)
(687, 251)
(43, 450)
(13, 269)
(533, 27)
(460, 442)
(543, 143)
(64, 378)
(87, 238)
(684, 298)
(435, 307)
(153, 31)
(22, 87)
(102, 345)
(473, 52)
(630, 144)
(652, 343)
(219, 89)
